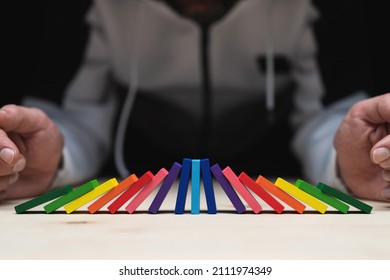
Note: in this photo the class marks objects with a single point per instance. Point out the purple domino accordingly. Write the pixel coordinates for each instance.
(165, 187)
(227, 187)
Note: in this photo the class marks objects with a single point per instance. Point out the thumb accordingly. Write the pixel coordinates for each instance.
(375, 110)
(9, 152)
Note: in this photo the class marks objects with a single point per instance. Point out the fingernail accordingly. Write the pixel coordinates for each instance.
(20, 165)
(7, 155)
(13, 178)
(386, 193)
(380, 154)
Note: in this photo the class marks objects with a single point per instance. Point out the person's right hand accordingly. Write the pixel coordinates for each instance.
(362, 143)
(30, 151)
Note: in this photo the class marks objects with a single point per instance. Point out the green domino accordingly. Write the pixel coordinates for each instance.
(313, 191)
(76, 193)
(42, 199)
(344, 197)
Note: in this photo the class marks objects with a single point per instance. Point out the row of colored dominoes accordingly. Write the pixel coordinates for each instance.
(115, 194)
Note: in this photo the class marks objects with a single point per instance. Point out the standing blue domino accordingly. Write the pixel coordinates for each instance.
(183, 186)
(195, 187)
(227, 187)
(208, 186)
(165, 187)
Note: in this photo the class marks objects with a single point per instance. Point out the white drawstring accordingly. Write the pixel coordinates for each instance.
(129, 101)
(270, 71)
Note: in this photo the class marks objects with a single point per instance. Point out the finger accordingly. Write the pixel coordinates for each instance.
(10, 157)
(374, 110)
(380, 152)
(6, 181)
(6, 169)
(386, 175)
(22, 120)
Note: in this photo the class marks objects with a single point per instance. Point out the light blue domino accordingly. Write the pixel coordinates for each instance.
(195, 187)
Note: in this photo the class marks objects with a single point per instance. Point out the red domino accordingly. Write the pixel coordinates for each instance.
(130, 192)
(147, 190)
(257, 189)
(240, 188)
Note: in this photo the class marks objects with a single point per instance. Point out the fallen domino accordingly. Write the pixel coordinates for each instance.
(317, 193)
(344, 197)
(301, 195)
(240, 188)
(42, 199)
(69, 197)
(147, 190)
(96, 192)
(164, 189)
(106, 198)
(265, 196)
(116, 194)
(282, 195)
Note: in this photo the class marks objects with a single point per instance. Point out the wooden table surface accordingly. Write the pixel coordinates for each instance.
(225, 235)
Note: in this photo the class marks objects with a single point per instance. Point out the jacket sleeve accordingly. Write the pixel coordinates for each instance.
(315, 125)
(313, 143)
(86, 118)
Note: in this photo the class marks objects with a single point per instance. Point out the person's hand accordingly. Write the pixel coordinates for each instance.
(30, 151)
(362, 143)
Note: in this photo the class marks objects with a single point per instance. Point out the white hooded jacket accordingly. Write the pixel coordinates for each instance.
(144, 44)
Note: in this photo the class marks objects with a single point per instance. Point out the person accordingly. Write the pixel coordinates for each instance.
(197, 78)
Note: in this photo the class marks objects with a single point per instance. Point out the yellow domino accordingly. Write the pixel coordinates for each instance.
(301, 195)
(98, 191)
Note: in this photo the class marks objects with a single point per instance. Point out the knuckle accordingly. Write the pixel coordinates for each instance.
(40, 116)
(9, 108)
(11, 111)
(356, 109)
(385, 102)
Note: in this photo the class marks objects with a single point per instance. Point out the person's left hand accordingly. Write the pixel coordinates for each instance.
(362, 143)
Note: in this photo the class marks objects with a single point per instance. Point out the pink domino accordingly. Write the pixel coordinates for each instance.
(242, 190)
(147, 190)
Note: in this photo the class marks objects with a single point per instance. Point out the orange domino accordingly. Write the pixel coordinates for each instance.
(147, 190)
(242, 190)
(121, 187)
(282, 195)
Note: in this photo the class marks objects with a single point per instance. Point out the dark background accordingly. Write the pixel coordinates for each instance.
(44, 42)
(353, 46)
